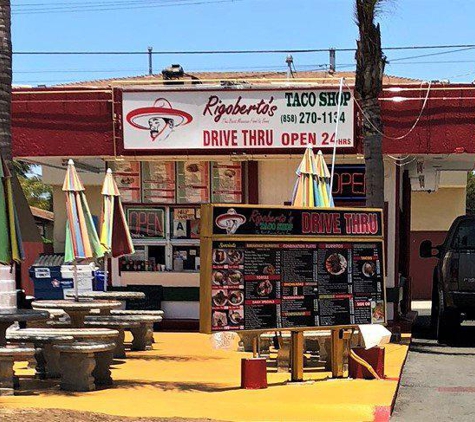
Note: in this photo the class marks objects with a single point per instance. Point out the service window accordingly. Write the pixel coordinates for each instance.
(186, 258)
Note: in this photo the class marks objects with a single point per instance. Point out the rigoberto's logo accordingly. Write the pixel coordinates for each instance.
(230, 221)
(160, 120)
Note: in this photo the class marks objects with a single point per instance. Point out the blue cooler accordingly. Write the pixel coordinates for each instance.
(47, 279)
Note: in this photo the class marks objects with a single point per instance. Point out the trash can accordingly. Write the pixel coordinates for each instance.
(47, 279)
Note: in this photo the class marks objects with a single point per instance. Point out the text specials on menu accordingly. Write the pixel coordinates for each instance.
(265, 286)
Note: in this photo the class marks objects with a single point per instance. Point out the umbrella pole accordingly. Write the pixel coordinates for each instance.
(76, 294)
(336, 134)
(106, 264)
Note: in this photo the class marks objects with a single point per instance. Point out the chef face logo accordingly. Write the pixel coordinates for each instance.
(230, 221)
(160, 120)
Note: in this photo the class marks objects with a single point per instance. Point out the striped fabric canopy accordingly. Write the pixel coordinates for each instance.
(115, 235)
(312, 188)
(82, 241)
(11, 247)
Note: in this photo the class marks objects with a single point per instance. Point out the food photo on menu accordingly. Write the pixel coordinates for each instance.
(236, 316)
(336, 264)
(219, 256)
(377, 311)
(220, 298)
(235, 257)
(227, 277)
(219, 319)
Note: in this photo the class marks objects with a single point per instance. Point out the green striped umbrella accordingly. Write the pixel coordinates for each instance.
(11, 248)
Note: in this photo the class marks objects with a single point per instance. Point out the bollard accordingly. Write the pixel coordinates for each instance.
(253, 373)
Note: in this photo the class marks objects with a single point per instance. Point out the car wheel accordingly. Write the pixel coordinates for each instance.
(448, 322)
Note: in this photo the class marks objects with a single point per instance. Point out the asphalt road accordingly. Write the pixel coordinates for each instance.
(438, 382)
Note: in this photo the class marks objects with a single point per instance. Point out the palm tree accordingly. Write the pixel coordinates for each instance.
(5, 81)
(370, 62)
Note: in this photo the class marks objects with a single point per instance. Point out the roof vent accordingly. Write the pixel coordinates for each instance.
(175, 71)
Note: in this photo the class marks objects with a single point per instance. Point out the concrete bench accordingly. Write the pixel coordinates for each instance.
(109, 322)
(143, 334)
(47, 358)
(8, 356)
(85, 365)
(137, 312)
(54, 315)
(140, 312)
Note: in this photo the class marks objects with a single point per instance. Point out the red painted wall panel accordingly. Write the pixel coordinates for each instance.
(421, 269)
(62, 122)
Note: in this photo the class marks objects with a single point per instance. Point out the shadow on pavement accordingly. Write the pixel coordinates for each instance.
(424, 340)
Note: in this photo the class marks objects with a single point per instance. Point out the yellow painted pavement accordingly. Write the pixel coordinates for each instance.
(185, 376)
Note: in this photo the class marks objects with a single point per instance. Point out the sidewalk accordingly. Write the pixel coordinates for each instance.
(185, 377)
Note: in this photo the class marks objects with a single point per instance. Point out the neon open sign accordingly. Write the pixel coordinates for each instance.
(146, 223)
(349, 183)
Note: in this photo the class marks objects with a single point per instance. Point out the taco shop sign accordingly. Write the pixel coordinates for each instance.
(237, 119)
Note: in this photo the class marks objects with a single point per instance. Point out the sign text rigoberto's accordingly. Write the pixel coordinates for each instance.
(289, 221)
(237, 119)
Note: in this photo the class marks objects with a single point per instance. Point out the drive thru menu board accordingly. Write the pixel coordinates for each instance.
(268, 282)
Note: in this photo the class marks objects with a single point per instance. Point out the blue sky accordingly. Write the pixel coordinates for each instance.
(245, 24)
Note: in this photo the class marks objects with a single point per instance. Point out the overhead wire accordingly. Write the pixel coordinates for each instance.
(393, 138)
(113, 7)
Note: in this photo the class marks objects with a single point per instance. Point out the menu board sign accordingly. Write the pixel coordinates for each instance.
(146, 223)
(226, 182)
(127, 177)
(158, 182)
(303, 279)
(193, 182)
(261, 285)
(284, 221)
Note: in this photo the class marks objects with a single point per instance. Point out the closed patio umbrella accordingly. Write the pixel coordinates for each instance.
(312, 187)
(114, 231)
(82, 241)
(11, 248)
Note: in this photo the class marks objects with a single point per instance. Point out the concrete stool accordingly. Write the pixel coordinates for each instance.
(114, 324)
(47, 357)
(8, 356)
(132, 312)
(85, 365)
(143, 334)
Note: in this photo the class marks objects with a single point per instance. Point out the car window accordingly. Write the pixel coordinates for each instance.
(464, 237)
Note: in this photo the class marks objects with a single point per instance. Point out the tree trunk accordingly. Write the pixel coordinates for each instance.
(5, 81)
(373, 154)
(370, 63)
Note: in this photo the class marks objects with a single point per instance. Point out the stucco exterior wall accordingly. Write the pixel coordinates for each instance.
(276, 181)
(94, 198)
(437, 210)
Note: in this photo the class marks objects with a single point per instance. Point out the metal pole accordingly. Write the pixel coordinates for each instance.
(332, 60)
(150, 64)
(106, 264)
(336, 134)
(76, 292)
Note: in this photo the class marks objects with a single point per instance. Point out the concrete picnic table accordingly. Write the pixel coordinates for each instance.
(77, 311)
(110, 295)
(8, 317)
